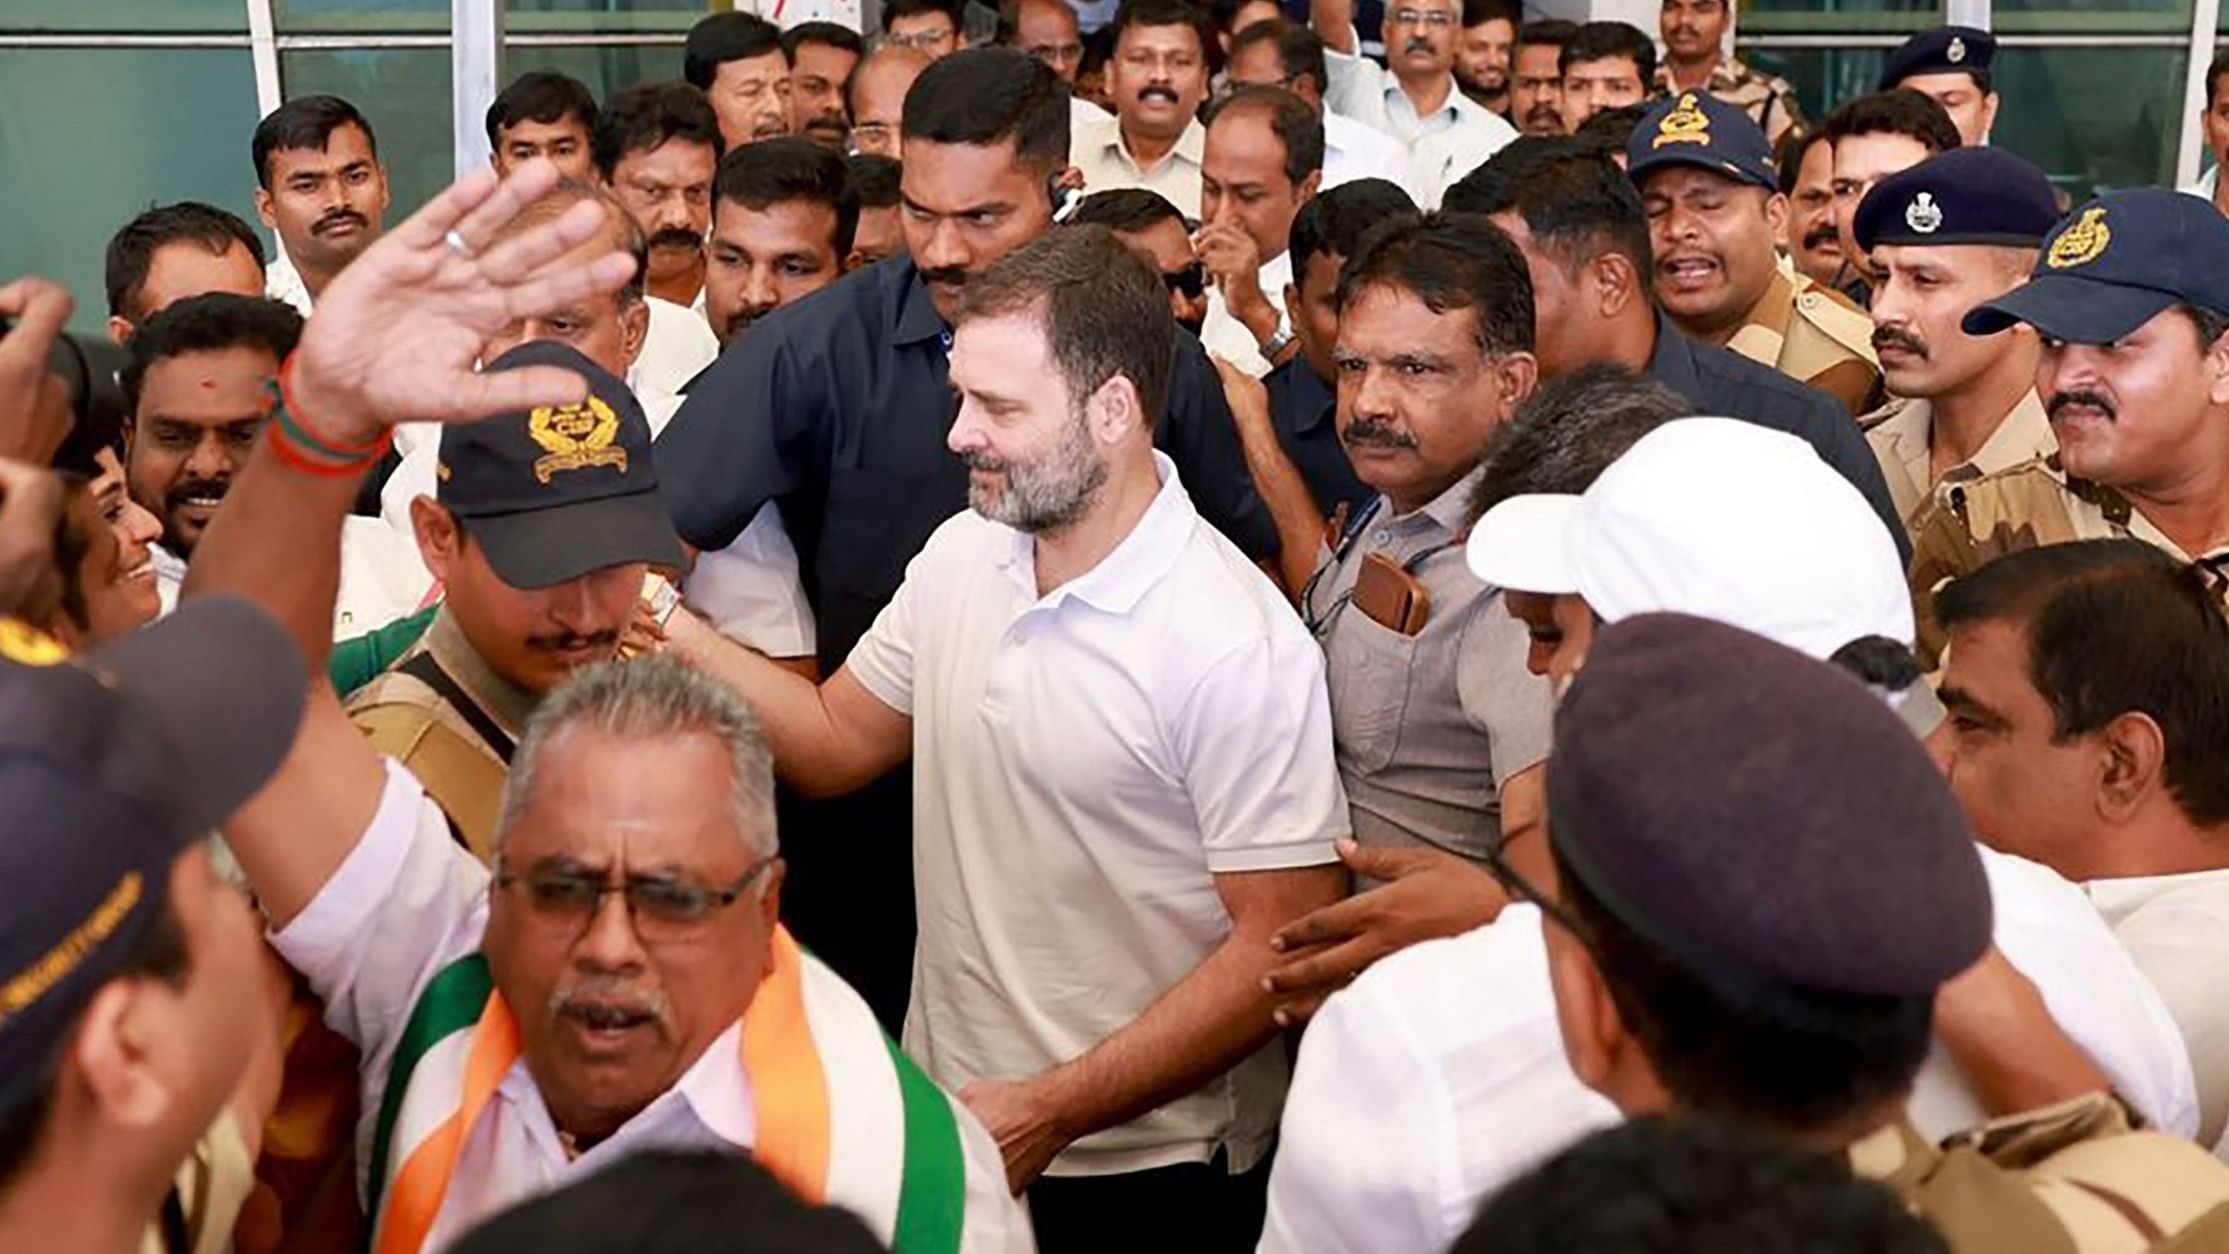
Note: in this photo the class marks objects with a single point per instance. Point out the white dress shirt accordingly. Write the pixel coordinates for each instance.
(1227, 337)
(1097, 149)
(1450, 142)
(1352, 150)
(1086, 762)
(1439, 1075)
(679, 344)
(2176, 927)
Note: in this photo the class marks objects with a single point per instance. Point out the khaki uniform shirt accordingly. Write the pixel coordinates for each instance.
(1769, 101)
(1426, 726)
(1902, 433)
(2022, 507)
(407, 720)
(2068, 1179)
(1813, 335)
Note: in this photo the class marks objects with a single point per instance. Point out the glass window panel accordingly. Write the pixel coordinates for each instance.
(143, 17)
(2093, 118)
(2121, 17)
(605, 69)
(1823, 77)
(603, 17)
(62, 207)
(404, 93)
(293, 17)
(1840, 16)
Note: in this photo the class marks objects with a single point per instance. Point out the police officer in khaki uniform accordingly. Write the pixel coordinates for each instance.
(542, 528)
(1958, 229)
(1764, 883)
(1715, 209)
(2131, 298)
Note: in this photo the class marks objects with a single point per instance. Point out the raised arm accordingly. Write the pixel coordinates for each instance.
(395, 338)
(1300, 521)
(1334, 23)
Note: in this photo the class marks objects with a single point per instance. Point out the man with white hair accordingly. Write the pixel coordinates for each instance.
(1448, 1053)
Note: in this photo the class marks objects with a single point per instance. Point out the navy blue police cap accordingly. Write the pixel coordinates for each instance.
(1698, 129)
(1944, 50)
(2115, 264)
(1964, 196)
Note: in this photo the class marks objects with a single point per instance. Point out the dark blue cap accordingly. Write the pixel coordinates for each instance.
(111, 764)
(560, 491)
(1762, 815)
(1698, 129)
(2115, 264)
(1940, 51)
(1964, 196)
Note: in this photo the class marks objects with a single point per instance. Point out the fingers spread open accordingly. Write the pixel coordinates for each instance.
(486, 220)
(425, 228)
(554, 288)
(511, 260)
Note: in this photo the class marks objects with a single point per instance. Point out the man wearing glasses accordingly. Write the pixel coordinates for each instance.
(1283, 54)
(1416, 101)
(929, 27)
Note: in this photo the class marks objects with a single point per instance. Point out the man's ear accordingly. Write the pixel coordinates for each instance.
(1616, 283)
(120, 330)
(266, 209)
(109, 1050)
(439, 540)
(1519, 373)
(2217, 370)
(1292, 306)
(1776, 214)
(1115, 410)
(1309, 187)
(2132, 764)
(634, 329)
(1593, 1031)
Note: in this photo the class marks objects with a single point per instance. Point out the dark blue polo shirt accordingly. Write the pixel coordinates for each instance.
(1303, 408)
(1725, 384)
(837, 407)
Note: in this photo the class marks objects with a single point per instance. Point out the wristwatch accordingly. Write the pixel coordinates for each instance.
(1277, 343)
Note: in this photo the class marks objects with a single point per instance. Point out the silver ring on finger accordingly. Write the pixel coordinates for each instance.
(458, 244)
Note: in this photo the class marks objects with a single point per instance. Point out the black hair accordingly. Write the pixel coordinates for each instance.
(1297, 127)
(874, 179)
(648, 115)
(304, 122)
(2216, 70)
(206, 323)
(1106, 312)
(2115, 626)
(1337, 222)
(672, 1202)
(723, 37)
(1609, 129)
(131, 251)
(1451, 261)
(1898, 112)
(2211, 324)
(159, 952)
(892, 10)
(832, 34)
(1480, 12)
(1699, 1185)
(1575, 201)
(1127, 210)
(1552, 31)
(1792, 1058)
(1598, 41)
(1788, 160)
(1568, 432)
(544, 96)
(791, 167)
(987, 96)
(1299, 50)
(1139, 13)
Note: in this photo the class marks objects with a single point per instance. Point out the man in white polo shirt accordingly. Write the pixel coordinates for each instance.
(1416, 101)
(1124, 780)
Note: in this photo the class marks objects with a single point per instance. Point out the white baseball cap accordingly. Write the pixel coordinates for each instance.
(1717, 518)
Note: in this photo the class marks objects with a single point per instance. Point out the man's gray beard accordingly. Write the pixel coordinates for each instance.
(1049, 494)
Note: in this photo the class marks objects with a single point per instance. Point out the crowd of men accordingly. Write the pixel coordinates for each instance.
(1199, 626)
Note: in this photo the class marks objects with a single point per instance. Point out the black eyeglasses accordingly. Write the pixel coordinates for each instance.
(660, 908)
(1191, 280)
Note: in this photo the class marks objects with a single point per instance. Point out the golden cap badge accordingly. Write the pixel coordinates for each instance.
(2082, 243)
(1685, 124)
(575, 437)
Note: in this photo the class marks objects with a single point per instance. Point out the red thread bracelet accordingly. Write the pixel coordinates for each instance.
(283, 445)
(376, 449)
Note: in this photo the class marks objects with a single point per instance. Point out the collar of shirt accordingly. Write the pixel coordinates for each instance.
(1122, 577)
(1453, 111)
(913, 315)
(1726, 74)
(2203, 186)
(504, 701)
(1190, 146)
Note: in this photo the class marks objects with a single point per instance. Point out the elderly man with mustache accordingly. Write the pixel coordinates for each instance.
(1416, 100)
(321, 187)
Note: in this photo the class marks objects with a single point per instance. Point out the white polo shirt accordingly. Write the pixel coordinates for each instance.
(1086, 763)
(1352, 150)
(1439, 1075)
(1445, 145)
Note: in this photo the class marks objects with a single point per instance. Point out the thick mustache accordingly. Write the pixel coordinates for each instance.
(952, 275)
(2092, 400)
(1889, 337)
(608, 1001)
(186, 489)
(568, 641)
(1822, 235)
(339, 217)
(980, 460)
(1162, 92)
(1376, 432)
(1417, 44)
(676, 237)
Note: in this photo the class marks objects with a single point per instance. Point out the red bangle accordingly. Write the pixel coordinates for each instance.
(283, 445)
(377, 448)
